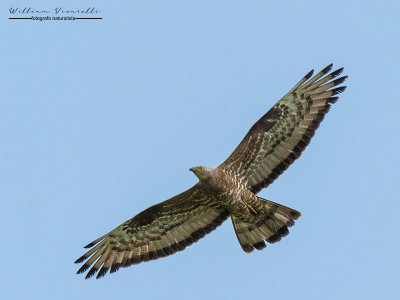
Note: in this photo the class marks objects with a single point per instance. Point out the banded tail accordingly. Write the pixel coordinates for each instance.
(271, 226)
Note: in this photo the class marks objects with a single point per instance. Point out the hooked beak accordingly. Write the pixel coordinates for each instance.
(191, 169)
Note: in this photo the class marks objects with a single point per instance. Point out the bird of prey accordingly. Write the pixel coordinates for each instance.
(230, 190)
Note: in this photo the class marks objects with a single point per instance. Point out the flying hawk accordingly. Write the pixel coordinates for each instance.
(270, 146)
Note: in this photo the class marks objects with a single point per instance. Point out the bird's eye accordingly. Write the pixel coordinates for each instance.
(201, 168)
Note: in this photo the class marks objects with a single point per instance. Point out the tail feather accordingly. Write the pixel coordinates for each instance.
(270, 225)
(248, 235)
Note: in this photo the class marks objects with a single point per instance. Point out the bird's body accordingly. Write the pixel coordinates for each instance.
(259, 218)
(230, 190)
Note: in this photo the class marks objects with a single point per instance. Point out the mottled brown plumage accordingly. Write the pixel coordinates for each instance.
(270, 146)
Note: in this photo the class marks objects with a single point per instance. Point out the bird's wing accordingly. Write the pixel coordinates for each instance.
(280, 136)
(158, 231)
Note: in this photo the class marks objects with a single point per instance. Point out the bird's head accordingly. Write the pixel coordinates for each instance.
(202, 172)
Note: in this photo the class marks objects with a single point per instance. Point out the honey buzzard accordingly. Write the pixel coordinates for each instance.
(270, 146)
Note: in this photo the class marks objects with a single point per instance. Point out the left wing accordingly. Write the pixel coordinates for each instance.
(280, 136)
(158, 231)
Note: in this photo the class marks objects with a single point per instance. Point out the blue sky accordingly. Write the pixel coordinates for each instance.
(100, 119)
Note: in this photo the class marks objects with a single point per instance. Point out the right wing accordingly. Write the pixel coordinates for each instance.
(158, 231)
